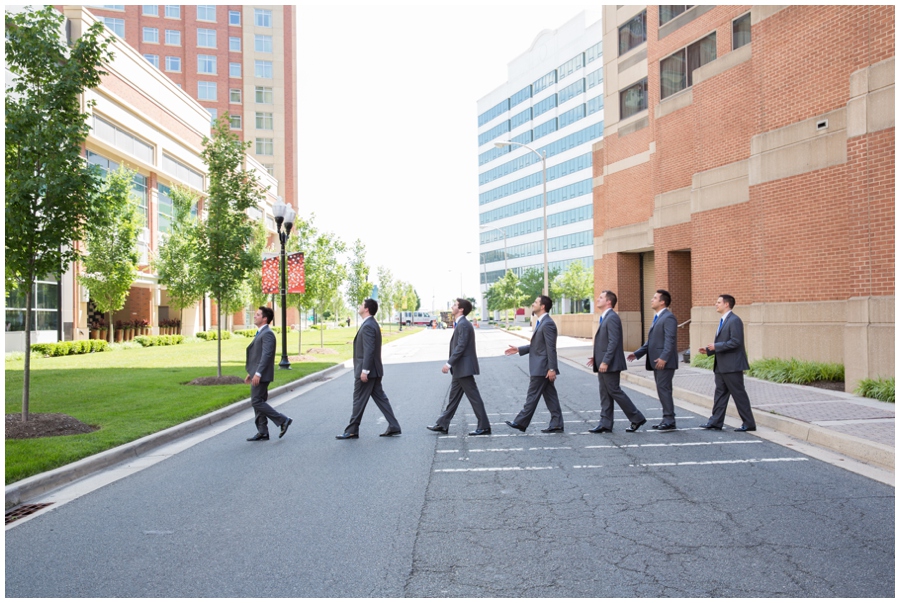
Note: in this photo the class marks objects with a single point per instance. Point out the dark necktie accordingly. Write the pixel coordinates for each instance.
(721, 320)
(654, 320)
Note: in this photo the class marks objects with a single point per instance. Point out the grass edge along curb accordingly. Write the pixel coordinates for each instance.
(878, 389)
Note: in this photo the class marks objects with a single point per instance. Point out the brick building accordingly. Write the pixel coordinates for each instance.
(750, 150)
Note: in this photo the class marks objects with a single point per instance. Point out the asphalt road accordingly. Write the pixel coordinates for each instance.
(689, 513)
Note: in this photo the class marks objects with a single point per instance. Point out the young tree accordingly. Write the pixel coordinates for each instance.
(505, 294)
(111, 262)
(51, 193)
(328, 273)
(175, 261)
(303, 237)
(358, 285)
(386, 288)
(224, 258)
(532, 283)
(404, 298)
(576, 283)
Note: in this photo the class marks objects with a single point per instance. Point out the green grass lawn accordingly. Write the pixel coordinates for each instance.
(131, 393)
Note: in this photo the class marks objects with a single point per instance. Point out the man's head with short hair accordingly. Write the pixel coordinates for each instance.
(268, 313)
(609, 295)
(665, 297)
(546, 302)
(728, 299)
(371, 306)
(464, 305)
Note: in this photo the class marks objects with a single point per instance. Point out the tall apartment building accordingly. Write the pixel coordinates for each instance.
(231, 58)
(552, 102)
(750, 150)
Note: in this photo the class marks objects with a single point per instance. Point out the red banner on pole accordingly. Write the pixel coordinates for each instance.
(271, 273)
(295, 273)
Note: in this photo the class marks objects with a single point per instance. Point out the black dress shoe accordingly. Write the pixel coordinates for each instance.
(665, 426)
(258, 438)
(600, 429)
(553, 430)
(347, 436)
(389, 433)
(437, 428)
(516, 426)
(635, 426)
(710, 426)
(478, 432)
(745, 428)
(284, 427)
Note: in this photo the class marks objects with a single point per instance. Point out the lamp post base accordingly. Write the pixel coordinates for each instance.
(284, 364)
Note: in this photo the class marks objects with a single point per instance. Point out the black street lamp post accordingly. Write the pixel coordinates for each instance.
(284, 222)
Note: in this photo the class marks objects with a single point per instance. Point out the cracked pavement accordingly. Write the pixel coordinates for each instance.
(689, 513)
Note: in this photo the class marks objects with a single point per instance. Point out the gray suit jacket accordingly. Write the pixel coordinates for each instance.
(542, 349)
(261, 355)
(730, 355)
(367, 350)
(463, 360)
(608, 345)
(661, 342)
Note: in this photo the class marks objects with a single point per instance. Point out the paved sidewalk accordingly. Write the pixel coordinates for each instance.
(857, 427)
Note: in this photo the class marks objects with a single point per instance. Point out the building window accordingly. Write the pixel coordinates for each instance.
(595, 104)
(520, 96)
(234, 121)
(206, 38)
(264, 95)
(234, 17)
(206, 91)
(594, 78)
(164, 208)
(676, 71)
(543, 82)
(667, 12)
(263, 69)
(545, 105)
(173, 37)
(234, 70)
(206, 12)
(265, 146)
(571, 91)
(262, 18)
(633, 33)
(117, 26)
(633, 100)
(206, 63)
(213, 114)
(183, 173)
(593, 53)
(151, 35)
(173, 11)
(150, 10)
(270, 168)
(740, 31)
(44, 311)
(173, 63)
(153, 59)
(570, 66)
(265, 121)
(122, 140)
(262, 43)
(234, 44)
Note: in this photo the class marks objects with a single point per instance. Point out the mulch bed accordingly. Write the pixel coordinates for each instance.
(44, 425)
(321, 351)
(223, 380)
(302, 358)
(835, 386)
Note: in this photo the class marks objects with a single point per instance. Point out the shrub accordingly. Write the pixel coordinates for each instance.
(213, 335)
(154, 340)
(801, 372)
(64, 348)
(246, 332)
(879, 389)
(702, 361)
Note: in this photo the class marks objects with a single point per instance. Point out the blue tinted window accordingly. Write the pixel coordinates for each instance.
(493, 112)
(553, 172)
(520, 96)
(584, 187)
(570, 216)
(494, 132)
(594, 105)
(571, 91)
(545, 105)
(545, 128)
(569, 241)
(594, 78)
(520, 118)
(543, 82)
(571, 116)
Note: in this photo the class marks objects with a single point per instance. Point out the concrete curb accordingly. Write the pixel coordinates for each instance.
(36, 485)
(880, 455)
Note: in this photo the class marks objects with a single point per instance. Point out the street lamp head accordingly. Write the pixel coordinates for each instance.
(502, 143)
(278, 208)
(289, 216)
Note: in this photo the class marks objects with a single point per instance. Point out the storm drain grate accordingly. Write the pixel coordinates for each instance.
(24, 511)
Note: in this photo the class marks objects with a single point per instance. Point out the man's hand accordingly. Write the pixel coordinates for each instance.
(660, 364)
(551, 375)
(590, 361)
(702, 351)
(247, 380)
(603, 367)
(711, 347)
(631, 358)
(511, 350)
(255, 380)
(364, 377)
(445, 369)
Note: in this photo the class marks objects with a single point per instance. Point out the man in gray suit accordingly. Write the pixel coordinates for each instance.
(608, 362)
(662, 357)
(729, 364)
(260, 363)
(463, 364)
(542, 367)
(368, 370)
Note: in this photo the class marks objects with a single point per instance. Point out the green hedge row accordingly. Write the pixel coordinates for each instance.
(65, 348)
(213, 335)
(252, 332)
(879, 389)
(154, 340)
(779, 370)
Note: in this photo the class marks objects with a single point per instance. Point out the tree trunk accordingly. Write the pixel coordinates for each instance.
(219, 338)
(300, 331)
(110, 332)
(26, 389)
(321, 332)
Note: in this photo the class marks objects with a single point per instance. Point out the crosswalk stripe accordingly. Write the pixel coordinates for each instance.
(477, 469)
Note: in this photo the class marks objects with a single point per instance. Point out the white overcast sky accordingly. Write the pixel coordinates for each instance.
(388, 128)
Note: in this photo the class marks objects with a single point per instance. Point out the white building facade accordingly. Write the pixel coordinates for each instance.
(552, 102)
